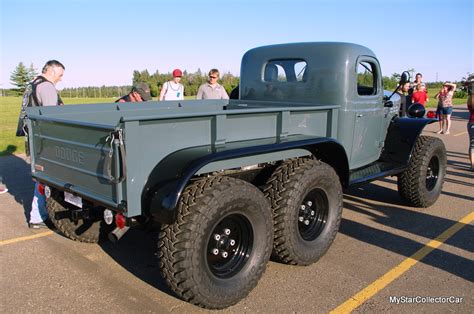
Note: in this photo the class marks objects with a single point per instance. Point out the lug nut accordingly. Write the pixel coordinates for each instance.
(312, 213)
(232, 242)
(225, 254)
(303, 207)
(309, 203)
(306, 222)
(301, 219)
(217, 237)
(227, 231)
(215, 251)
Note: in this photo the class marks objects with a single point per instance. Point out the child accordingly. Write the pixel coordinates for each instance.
(420, 95)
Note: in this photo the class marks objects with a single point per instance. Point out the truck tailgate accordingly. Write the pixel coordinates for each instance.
(75, 157)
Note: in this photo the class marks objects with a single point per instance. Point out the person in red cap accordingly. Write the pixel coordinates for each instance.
(173, 90)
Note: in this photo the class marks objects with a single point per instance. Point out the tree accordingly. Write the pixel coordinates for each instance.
(32, 71)
(21, 76)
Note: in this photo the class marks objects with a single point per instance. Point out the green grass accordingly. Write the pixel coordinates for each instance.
(10, 108)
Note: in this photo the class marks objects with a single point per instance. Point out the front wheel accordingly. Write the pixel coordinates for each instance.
(219, 246)
(422, 182)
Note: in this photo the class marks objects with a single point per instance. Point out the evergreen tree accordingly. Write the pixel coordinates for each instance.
(22, 76)
(32, 71)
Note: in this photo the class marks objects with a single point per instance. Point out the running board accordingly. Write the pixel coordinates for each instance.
(374, 171)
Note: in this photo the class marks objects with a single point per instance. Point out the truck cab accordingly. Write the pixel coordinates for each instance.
(321, 74)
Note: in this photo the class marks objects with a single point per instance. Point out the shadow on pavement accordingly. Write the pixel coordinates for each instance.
(460, 114)
(137, 253)
(457, 154)
(412, 221)
(16, 175)
(459, 164)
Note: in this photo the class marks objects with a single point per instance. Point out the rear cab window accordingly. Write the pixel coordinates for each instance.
(285, 70)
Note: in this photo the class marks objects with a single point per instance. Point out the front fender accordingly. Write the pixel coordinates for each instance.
(401, 138)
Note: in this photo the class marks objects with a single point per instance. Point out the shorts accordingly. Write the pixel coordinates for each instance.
(444, 110)
(470, 130)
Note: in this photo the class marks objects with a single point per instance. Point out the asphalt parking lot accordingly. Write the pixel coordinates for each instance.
(385, 252)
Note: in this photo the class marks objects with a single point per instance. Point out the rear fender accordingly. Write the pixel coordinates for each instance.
(169, 178)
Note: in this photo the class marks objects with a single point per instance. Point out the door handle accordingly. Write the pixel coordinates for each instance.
(359, 115)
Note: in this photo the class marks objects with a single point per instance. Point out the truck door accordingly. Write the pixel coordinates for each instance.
(369, 112)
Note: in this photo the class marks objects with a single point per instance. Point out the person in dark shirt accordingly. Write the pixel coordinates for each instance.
(140, 92)
(46, 94)
(405, 99)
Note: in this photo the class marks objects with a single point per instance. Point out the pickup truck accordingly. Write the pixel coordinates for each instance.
(232, 182)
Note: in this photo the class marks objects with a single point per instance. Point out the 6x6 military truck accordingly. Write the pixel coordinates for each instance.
(233, 181)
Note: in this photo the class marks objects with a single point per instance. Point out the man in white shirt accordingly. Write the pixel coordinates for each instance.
(173, 90)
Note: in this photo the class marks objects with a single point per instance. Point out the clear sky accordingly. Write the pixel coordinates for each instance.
(101, 42)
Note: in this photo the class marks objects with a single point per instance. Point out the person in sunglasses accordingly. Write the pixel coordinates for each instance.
(212, 89)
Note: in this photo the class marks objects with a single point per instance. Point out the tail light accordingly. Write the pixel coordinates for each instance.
(41, 189)
(120, 221)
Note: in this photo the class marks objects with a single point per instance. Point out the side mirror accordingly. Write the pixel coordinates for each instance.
(388, 104)
(405, 77)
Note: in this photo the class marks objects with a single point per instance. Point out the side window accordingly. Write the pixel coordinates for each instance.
(366, 79)
(288, 70)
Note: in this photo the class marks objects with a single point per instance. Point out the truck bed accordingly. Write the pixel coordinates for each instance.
(71, 146)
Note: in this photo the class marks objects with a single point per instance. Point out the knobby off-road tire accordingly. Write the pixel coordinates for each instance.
(82, 230)
(422, 183)
(306, 200)
(217, 215)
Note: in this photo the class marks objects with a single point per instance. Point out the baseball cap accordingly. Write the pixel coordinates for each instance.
(177, 73)
(143, 90)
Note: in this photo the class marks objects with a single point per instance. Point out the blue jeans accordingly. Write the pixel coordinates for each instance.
(38, 213)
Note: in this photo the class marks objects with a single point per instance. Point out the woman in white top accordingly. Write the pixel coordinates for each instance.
(173, 90)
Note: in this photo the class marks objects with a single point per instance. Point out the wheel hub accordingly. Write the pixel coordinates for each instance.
(432, 173)
(229, 246)
(312, 215)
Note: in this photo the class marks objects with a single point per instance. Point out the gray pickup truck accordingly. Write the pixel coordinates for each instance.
(233, 181)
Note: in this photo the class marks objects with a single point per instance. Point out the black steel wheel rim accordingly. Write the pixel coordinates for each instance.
(432, 173)
(229, 246)
(313, 214)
